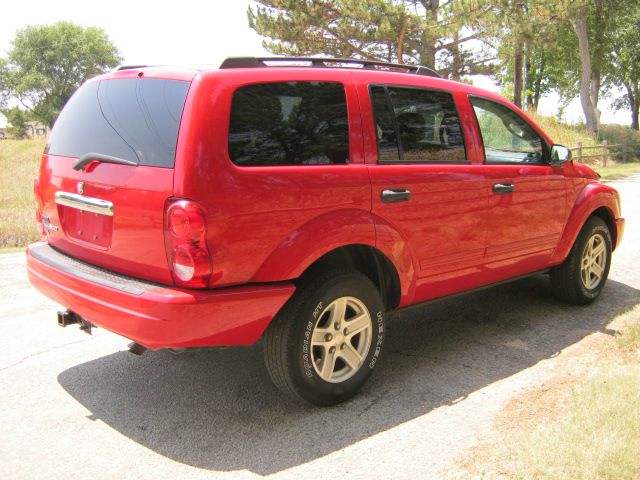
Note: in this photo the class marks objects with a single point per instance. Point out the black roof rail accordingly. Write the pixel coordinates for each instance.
(130, 67)
(261, 62)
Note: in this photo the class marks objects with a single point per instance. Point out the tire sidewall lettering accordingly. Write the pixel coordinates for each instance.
(306, 342)
(377, 347)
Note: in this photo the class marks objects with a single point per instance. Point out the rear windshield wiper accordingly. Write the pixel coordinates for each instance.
(99, 157)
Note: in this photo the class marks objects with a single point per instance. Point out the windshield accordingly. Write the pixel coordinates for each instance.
(133, 119)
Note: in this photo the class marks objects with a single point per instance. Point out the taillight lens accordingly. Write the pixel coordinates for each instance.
(185, 240)
(186, 220)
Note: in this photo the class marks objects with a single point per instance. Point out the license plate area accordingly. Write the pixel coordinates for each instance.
(86, 227)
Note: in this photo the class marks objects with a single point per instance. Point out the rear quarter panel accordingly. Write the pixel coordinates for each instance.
(268, 223)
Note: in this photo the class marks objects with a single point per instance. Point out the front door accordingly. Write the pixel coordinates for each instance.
(527, 197)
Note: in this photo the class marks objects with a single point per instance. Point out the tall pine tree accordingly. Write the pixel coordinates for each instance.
(425, 32)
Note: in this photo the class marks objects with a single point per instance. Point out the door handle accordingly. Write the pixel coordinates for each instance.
(502, 188)
(395, 196)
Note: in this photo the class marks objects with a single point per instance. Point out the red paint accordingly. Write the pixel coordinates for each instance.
(264, 226)
(167, 316)
(135, 243)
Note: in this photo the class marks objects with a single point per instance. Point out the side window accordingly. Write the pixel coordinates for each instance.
(386, 133)
(425, 122)
(507, 137)
(289, 123)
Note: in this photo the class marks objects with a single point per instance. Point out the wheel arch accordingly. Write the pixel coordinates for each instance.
(597, 200)
(608, 218)
(365, 259)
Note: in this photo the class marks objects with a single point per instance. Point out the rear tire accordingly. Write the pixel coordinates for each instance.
(582, 276)
(325, 342)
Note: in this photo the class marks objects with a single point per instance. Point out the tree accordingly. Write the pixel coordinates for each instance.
(406, 31)
(17, 118)
(625, 62)
(592, 20)
(550, 64)
(47, 63)
(510, 25)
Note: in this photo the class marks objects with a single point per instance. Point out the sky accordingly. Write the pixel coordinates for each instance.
(189, 32)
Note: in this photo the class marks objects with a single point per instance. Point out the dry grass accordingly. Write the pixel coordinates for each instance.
(568, 135)
(19, 163)
(583, 424)
(597, 438)
(628, 333)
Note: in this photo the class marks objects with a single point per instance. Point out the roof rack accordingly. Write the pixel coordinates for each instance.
(130, 67)
(262, 62)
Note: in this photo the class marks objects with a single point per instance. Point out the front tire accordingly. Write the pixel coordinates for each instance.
(326, 341)
(582, 276)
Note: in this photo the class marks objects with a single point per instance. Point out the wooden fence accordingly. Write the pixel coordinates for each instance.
(621, 152)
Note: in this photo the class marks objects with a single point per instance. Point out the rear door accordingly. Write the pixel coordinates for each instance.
(527, 207)
(426, 188)
(111, 214)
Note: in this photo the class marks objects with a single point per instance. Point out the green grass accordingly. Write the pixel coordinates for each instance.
(618, 170)
(19, 163)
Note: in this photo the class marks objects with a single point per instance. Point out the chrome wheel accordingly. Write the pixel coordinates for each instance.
(594, 261)
(341, 339)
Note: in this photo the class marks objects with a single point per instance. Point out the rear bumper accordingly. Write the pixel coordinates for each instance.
(619, 231)
(156, 316)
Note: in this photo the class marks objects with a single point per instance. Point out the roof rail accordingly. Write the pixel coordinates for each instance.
(130, 67)
(261, 62)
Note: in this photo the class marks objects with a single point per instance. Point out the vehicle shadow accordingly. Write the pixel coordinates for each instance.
(218, 410)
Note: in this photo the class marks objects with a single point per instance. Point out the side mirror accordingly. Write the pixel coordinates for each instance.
(559, 155)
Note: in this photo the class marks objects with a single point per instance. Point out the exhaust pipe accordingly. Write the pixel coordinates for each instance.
(136, 348)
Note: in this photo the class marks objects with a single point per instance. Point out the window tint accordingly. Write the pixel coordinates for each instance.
(426, 122)
(506, 136)
(134, 118)
(292, 123)
(385, 126)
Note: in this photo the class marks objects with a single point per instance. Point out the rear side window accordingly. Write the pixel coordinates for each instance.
(417, 125)
(289, 123)
(386, 128)
(133, 118)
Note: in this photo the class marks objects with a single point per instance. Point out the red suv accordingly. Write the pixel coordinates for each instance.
(301, 201)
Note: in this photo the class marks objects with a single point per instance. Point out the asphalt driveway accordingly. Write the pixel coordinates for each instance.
(79, 406)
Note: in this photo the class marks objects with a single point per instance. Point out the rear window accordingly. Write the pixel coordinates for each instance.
(289, 123)
(135, 119)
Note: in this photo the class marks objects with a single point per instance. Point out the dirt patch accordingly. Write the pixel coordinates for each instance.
(539, 404)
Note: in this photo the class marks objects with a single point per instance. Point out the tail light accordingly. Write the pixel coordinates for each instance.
(185, 241)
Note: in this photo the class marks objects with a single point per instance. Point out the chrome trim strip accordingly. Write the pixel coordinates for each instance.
(87, 204)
